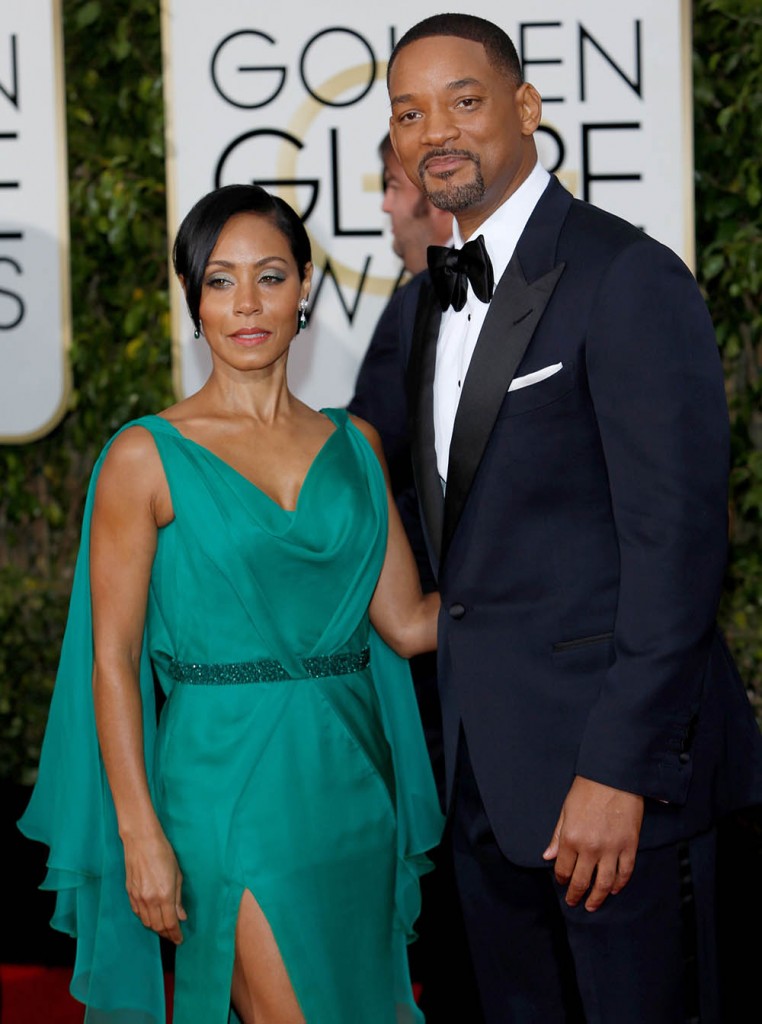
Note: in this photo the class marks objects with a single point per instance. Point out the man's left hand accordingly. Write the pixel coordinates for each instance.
(595, 841)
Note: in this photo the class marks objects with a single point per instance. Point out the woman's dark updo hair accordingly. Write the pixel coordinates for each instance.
(202, 225)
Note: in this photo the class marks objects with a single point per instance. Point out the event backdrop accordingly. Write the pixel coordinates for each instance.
(35, 323)
(293, 96)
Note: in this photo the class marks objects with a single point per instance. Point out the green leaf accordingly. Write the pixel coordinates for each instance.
(88, 13)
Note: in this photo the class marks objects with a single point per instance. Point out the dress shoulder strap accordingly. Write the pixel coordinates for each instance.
(153, 424)
(337, 416)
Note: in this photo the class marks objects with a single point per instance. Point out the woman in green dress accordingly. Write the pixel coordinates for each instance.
(241, 549)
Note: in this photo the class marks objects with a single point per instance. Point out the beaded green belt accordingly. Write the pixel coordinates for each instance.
(267, 670)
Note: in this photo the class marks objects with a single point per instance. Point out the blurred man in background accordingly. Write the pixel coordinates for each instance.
(415, 222)
(379, 392)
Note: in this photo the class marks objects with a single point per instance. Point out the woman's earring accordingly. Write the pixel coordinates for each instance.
(197, 334)
(302, 322)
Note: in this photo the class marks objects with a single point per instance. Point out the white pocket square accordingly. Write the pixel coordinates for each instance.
(534, 378)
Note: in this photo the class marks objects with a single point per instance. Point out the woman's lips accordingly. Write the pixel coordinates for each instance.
(250, 336)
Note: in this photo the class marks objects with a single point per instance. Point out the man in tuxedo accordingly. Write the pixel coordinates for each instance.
(570, 447)
(439, 959)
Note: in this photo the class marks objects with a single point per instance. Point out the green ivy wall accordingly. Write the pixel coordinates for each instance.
(121, 354)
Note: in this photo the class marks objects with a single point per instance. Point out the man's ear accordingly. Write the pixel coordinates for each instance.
(529, 107)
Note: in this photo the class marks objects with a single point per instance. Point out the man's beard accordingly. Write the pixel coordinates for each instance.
(457, 197)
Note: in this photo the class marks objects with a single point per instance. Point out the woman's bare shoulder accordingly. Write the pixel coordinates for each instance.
(132, 467)
(370, 433)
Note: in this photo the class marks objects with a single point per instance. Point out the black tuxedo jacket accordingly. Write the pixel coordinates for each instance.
(581, 544)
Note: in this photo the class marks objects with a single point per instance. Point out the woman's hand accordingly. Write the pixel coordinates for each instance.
(154, 885)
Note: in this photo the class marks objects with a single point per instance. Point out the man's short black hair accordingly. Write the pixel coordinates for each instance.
(500, 50)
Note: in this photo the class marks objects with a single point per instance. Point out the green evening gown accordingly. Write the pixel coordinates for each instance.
(288, 758)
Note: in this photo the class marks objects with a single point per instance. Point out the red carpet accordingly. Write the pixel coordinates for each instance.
(40, 995)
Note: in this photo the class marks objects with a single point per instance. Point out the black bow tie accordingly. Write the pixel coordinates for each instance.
(452, 269)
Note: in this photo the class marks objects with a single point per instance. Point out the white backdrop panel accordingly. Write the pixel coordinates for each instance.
(293, 97)
(34, 233)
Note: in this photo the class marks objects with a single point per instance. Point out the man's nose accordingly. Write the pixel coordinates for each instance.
(439, 127)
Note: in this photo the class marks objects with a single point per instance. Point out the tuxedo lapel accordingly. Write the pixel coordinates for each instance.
(515, 311)
(421, 404)
(508, 328)
(520, 299)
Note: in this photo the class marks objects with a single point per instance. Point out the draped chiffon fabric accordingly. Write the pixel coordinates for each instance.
(312, 791)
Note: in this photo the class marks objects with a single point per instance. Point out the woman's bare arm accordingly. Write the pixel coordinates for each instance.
(404, 616)
(131, 502)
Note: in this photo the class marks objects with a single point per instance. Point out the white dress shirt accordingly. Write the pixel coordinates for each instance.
(458, 332)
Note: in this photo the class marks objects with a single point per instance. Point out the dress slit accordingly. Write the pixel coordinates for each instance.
(269, 958)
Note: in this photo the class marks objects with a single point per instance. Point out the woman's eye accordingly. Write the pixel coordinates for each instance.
(272, 277)
(217, 282)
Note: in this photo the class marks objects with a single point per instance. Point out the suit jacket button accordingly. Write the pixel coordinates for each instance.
(684, 758)
(457, 611)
